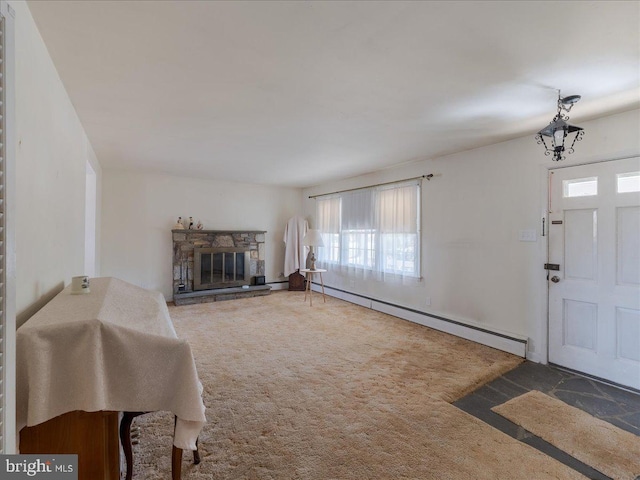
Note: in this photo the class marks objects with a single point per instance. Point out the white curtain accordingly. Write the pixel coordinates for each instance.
(372, 232)
(398, 222)
(328, 219)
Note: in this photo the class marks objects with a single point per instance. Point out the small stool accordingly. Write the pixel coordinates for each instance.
(309, 274)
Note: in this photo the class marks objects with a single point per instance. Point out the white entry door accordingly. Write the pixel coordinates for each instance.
(594, 295)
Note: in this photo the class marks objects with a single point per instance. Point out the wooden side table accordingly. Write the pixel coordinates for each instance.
(309, 274)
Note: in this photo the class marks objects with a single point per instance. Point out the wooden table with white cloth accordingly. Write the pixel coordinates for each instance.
(113, 349)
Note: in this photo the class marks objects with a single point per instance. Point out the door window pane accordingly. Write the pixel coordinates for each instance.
(628, 182)
(580, 187)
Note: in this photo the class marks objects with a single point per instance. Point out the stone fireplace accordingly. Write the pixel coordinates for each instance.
(212, 265)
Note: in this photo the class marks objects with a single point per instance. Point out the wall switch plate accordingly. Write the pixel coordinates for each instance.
(527, 236)
(427, 301)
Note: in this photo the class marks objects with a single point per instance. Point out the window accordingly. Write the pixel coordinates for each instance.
(580, 187)
(628, 182)
(373, 229)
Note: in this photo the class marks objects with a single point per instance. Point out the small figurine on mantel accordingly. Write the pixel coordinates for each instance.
(179, 225)
(190, 223)
(199, 226)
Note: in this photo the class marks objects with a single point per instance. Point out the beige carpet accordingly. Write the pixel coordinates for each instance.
(597, 443)
(336, 391)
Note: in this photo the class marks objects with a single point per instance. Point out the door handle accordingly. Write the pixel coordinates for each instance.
(555, 279)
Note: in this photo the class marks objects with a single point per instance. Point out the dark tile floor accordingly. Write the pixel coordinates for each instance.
(614, 405)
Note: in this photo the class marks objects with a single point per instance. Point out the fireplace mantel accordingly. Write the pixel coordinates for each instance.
(208, 232)
(185, 242)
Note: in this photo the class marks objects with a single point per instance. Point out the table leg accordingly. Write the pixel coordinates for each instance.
(306, 286)
(176, 463)
(176, 456)
(196, 454)
(125, 439)
(324, 299)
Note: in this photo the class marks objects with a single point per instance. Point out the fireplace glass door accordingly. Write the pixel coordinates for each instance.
(220, 268)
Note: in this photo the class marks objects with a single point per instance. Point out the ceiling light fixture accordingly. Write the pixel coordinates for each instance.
(559, 129)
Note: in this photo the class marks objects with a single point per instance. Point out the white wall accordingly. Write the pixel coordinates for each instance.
(475, 269)
(51, 154)
(90, 221)
(139, 211)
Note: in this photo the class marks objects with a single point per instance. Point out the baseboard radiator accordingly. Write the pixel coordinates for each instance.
(506, 342)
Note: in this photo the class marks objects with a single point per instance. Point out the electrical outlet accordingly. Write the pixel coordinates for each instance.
(427, 301)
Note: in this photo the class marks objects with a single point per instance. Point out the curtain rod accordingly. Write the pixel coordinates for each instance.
(428, 177)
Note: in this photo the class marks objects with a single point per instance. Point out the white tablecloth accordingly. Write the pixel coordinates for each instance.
(114, 349)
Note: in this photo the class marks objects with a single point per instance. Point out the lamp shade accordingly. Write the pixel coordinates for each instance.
(313, 238)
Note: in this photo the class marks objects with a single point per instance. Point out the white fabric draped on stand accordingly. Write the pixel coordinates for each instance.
(295, 254)
(114, 349)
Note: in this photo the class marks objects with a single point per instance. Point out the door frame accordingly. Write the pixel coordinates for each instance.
(9, 434)
(541, 355)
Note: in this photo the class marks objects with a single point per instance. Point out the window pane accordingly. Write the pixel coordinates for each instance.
(359, 248)
(328, 214)
(629, 182)
(331, 251)
(357, 210)
(580, 187)
(398, 210)
(399, 253)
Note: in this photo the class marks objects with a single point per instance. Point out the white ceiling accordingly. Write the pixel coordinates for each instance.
(299, 93)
